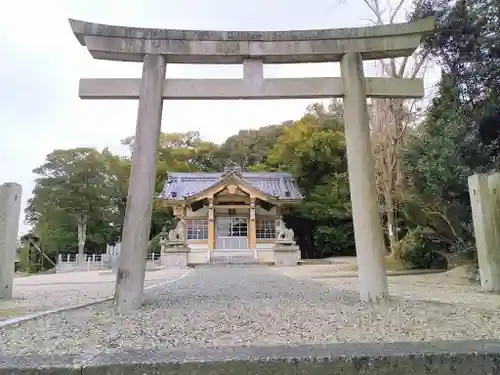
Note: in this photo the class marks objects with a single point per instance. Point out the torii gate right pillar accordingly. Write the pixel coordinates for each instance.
(369, 239)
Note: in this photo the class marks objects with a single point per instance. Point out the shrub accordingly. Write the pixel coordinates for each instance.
(24, 262)
(335, 240)
(154, 245)
(418, 249)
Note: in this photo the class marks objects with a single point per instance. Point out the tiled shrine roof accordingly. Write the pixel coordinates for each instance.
(278, 185)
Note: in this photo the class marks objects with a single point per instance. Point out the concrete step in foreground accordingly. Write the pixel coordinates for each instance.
(238, 256)
(248, 264)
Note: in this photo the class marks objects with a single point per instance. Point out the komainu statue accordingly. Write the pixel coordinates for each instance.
(178, 234)
(284, 234)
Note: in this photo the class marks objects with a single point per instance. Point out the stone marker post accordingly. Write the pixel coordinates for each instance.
(370, 246)
(484, 193)
(135, 235)
(10, 210)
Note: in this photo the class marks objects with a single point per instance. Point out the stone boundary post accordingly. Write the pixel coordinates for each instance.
(484, 193)
(10, 211)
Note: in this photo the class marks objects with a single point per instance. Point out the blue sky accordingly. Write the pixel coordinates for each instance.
(42, 63)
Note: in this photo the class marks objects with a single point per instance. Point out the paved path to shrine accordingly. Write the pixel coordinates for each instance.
(51, 291)
(227, 306)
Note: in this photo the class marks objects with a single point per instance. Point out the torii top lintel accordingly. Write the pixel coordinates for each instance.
(122, 43)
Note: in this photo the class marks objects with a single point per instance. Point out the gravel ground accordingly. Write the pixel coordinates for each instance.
(224, 306)
(441, 287)
(34, 293)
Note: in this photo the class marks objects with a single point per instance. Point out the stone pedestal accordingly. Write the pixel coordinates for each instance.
(10, 209)
(114, 266)
(286, 254)
(175, 257)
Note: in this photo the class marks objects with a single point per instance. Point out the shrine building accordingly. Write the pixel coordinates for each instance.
(232, 212)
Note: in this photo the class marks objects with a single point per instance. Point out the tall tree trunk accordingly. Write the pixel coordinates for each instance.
(390, 117)
(391, 221)
(82, 236)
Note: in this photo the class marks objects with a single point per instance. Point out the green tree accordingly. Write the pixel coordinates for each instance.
(313, 150)
(249, 148)
(75, 191)
(118, 173)
(438, 159)
(466, 45)
(177, 152)
(446, 149)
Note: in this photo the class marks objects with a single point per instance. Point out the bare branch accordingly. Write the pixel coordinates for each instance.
(390, 120)
(418, 65)
(370, 20)
(375, 8)
(403, 66)
(396, 11)
(393, 67)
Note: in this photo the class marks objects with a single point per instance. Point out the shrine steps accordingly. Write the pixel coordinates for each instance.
(234, 256)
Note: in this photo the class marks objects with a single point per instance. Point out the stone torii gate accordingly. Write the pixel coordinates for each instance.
(157, 47)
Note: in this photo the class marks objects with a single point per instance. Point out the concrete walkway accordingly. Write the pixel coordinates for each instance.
(84, 277)
(45, 292)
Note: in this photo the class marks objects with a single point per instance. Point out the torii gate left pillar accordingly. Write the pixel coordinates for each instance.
(137, 224)
(154, 47)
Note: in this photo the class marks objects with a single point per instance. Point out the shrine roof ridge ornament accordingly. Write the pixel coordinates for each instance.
(121, 43)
